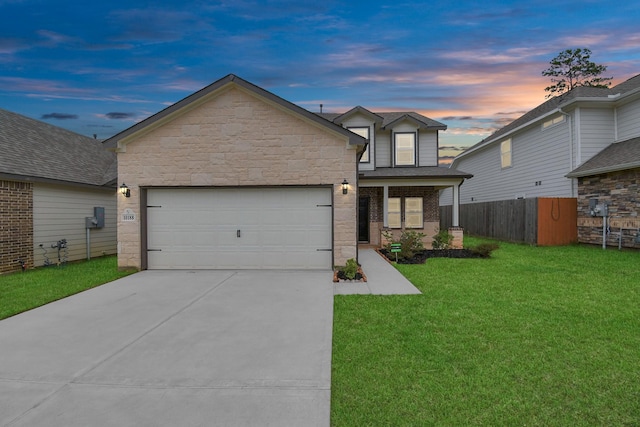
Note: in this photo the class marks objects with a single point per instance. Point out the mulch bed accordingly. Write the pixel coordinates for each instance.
(339, 275)
(421, 257)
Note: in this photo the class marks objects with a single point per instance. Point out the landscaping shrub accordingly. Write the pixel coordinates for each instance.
(484, 249)
(442, 240)
(350, 269)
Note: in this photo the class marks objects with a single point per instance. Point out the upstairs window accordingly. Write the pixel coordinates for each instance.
(363, 132)
(505, 153)
(553, 121)
(405, 149)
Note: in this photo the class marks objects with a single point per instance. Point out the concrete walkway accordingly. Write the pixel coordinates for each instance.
(174, 348)
(382, 278)
(182, 348)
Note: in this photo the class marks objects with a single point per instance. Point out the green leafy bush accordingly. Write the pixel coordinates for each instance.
(350, 269)
(484, 249)
(410, 243)
(442, 240)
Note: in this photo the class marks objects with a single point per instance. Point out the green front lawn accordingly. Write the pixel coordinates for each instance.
(23, 291)
(533, 336)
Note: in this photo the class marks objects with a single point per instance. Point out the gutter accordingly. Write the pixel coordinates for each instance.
(602, 170)
(558, 109)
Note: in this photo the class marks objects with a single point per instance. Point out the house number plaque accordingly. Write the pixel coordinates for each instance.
(128, 215)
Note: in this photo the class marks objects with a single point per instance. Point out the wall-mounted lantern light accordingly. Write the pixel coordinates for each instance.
(345, 186)
(124, 190)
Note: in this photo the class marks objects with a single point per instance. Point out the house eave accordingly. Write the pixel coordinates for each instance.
(119, 141)
(569, 103)
(109, 186)
(603, 170)
(419, 123)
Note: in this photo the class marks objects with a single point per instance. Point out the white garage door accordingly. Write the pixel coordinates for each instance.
(191, 228)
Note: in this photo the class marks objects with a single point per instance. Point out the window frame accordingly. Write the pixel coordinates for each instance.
(408, 212)
(414, 149)
(367, 152)
(398, 212)
(555, 120)
(504, 154)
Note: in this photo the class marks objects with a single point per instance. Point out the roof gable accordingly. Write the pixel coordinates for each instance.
(36, 151)
(386, 120)
(119, 140)
(580, 93)
(341, 118)
(393, 118)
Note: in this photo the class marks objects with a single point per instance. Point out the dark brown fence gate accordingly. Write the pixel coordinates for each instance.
(543, 221)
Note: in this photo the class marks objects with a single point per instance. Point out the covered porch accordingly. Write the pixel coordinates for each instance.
(392, 200)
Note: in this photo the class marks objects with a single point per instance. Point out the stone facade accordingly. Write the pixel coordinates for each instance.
(16, 226)
(619, 190)
(234, 138)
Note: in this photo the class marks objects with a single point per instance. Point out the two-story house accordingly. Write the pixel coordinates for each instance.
(539, 155)
(233, 176)
(398, 175)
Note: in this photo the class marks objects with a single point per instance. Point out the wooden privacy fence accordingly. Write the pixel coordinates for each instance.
(544, 221)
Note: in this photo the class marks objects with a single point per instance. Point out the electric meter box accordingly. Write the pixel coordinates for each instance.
(598, 209)
(97, 220)
(98, 213)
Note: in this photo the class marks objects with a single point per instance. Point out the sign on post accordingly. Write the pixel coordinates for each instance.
(395, 248)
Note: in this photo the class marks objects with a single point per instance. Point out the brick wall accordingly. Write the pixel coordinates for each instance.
(430, 210)
(430, 207)
(16, 225)
(430, 201)
(619, 190)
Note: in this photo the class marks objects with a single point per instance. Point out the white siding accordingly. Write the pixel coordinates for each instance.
(428, 148)
(59, 213)
(628, 121)
(361, 121)
(538, 156)
(383, 149)
(596, 132)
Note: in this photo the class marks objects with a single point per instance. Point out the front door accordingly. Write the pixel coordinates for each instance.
(363, 219)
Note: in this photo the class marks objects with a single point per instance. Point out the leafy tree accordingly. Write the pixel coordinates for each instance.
(572, 68)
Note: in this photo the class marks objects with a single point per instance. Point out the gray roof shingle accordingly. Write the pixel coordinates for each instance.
(616, 157)
(392, 116)
(34, 150)
(112, 143)
(553, 103)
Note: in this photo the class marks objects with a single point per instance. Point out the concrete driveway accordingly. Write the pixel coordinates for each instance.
(174, 348)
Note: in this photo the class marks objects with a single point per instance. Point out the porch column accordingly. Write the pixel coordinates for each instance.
(455, 211)
(385, 206)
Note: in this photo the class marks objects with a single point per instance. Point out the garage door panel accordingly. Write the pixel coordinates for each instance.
(279, 228)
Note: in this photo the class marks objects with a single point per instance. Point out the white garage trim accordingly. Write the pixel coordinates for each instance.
(239, 228)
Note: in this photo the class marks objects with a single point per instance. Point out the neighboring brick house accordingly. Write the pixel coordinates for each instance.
(50, 181)
(611, 178)
(234, 176)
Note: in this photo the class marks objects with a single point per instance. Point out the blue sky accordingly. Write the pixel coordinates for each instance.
(99, 67)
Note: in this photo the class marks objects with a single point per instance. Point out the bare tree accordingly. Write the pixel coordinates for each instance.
(572, 68)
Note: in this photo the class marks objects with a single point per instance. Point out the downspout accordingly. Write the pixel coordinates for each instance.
(571, 151)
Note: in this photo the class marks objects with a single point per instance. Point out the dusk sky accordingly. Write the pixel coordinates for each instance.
(99, 67)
